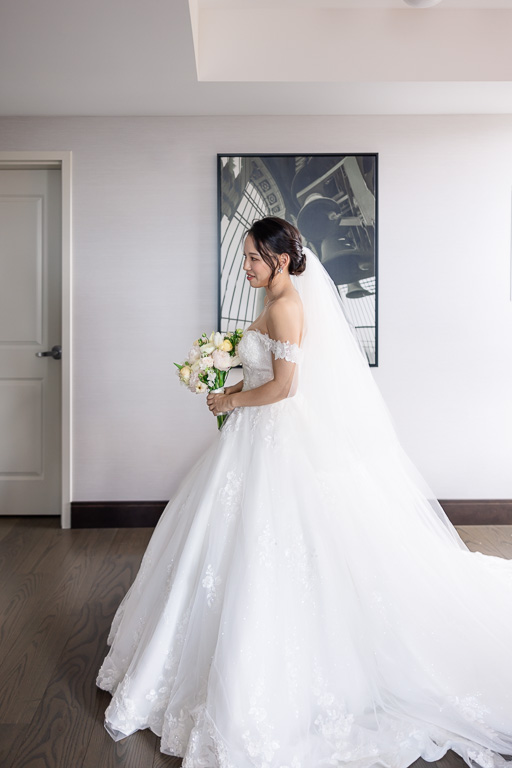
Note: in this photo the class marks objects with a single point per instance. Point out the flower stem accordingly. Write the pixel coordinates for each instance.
(219, 387)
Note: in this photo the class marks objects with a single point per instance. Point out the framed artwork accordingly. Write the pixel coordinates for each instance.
(332, 199)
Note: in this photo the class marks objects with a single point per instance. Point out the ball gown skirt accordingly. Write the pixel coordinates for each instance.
(293, 611)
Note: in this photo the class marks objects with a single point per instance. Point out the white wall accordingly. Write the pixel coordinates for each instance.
(145, 280)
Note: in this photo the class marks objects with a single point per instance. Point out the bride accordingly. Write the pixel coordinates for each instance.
(304, 600)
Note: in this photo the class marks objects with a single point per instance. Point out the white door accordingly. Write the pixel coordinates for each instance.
(30, 323)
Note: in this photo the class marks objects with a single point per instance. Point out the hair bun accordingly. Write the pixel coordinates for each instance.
(298, 264)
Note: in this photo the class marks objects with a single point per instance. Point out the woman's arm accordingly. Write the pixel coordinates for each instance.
(234, 388)
(271, 392)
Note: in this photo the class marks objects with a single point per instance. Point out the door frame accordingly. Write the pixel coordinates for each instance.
(34, 160)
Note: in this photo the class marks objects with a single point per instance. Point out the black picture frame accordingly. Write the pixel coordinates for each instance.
(332, 199)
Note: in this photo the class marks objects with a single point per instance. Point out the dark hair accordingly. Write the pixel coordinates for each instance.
(273, 236)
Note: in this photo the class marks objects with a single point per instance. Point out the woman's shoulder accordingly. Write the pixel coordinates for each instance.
(285, 318)
(285, 307)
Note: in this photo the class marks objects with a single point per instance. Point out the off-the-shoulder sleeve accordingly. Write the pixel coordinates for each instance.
(284, 349)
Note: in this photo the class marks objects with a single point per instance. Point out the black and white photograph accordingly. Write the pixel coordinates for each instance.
(333, 201)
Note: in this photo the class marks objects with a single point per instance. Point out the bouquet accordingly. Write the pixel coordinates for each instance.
(208, 364)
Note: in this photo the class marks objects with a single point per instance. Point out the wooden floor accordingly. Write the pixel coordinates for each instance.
(59, 591)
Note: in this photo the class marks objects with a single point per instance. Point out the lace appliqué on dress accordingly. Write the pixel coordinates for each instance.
(302, 563)
(259, 740)
(472, 710)
(211, 582)
(282, 349)
(230, 495)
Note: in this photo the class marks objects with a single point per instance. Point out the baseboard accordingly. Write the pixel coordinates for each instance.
(145, 514)
(116, 514)
(478, 511)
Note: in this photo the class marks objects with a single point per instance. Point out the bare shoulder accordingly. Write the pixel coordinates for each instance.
(285, 318)
(286, 306)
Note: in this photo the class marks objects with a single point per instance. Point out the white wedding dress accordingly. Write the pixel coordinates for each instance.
(296, 612)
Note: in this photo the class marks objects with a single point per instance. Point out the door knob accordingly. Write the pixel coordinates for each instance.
(54, 352)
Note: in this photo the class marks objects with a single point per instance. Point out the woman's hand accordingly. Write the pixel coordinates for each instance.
(219, 403)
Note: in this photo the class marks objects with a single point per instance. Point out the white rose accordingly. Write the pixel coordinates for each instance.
(196, 366)
(184, 373)
(206, 362)
(207, 349)
(221, 360)
(201, 387)
(194, 354)
(192, 384)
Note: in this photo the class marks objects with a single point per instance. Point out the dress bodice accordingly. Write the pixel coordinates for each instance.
(255, 351)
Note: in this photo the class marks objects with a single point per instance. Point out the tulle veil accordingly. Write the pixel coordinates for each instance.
(347, 414)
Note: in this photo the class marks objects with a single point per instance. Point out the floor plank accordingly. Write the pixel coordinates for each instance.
(35, 644)
(15, 598)
(489, 539)
(6, 525)
(21, 539)
(131, 541)
(67, 713)
(11, 736)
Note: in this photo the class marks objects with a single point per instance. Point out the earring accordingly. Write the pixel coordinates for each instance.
(280, 269)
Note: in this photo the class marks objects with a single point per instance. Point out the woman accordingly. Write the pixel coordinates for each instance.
(282, 316)
(304, 601)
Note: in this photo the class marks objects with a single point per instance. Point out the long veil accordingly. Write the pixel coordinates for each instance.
(348, 420)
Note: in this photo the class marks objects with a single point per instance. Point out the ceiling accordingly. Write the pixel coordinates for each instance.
(202, 57)
(358, 4)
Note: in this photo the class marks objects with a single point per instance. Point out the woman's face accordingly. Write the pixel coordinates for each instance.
(257, 272)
